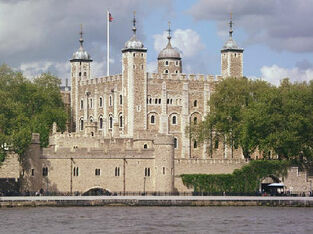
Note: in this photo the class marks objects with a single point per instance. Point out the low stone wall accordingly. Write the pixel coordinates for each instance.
(155, 201)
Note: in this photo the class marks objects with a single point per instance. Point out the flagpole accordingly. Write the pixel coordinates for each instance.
(108, 44)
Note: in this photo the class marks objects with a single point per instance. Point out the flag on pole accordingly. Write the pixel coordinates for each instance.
(110, 17)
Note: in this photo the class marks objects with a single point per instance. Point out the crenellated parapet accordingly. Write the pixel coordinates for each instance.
(101, 80)
(184, 77)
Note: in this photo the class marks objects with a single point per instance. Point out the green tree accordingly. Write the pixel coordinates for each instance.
(26, 107)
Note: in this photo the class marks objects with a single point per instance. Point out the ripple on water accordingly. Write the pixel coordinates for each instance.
(157, 220)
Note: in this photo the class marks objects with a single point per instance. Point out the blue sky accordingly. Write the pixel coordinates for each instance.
(41, 35)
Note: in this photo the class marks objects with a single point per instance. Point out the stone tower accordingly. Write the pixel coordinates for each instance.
(169, 60)
(231, 56)
(80, 70)
(134, 83)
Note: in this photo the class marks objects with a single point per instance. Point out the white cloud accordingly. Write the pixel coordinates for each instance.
(275, 74)
(152, 67)
(187, 41)
(33, 69)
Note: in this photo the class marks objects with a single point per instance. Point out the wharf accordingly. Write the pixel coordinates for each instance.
(64, 201)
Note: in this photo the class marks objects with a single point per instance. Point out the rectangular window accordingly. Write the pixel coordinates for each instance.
(117, 171)
(33, 172)
(147, 171)
(97, 172)
(75, 171)
(163, 170)
(45, 171)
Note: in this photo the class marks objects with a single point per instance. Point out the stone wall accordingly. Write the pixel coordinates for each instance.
(10, 168)
(203, 166)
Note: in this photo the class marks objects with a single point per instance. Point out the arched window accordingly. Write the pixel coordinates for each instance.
(101, 123)
(91, 119)
(152, 119)
(174, 119)
(195, 144)
(100, 102)
(117, 171)
(90, 103)
(111, 122)
(81, 104)
(45, 171)
(121, 99)
(81, 124)
(195, 103)
(166, 63)
(150, 100)
(166, 71)
(175, 143)
(195, 120)
(156, 101)
(145, 146)
(121, 121)
(75, 171)
(79, 74)
(159, 100)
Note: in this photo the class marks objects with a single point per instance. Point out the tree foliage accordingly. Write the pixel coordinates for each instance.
(26, 107)
(254, 114)
(244, 180)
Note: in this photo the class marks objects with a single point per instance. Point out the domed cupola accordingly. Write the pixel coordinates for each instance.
(81, 54)
(169, 60)
(133, 44)
(231, 56)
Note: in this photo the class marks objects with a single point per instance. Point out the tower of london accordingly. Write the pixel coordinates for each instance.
(128, 131)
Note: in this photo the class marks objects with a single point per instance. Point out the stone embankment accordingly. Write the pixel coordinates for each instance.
(63, 201)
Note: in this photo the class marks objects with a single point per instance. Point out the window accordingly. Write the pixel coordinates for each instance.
(216, 144)
(195, 103)
(45, 171)
(33, 172)
(90, 103)
(159, 100)
(175, 143)
(147, 171)
(85, 73)
(110, 100)
(176, 63)
(195, 120)
(176, 71)
(79, 74)
(195, 144)
(100, 102)
(111, 122)
(121, 121)
(121, 99)
(141, 54)
(91, 119)
(168, 101)
(81, 124)
(166, 63)
(174, 119)
(75, 171)
(101, 123)
(134, 55)
(97, 172)
(141, 67)
(152, 119)
(150, 100)
(163, 170)
(145, 146)
(81, 104)
(117, 171)
(166, 71)
(155, 101)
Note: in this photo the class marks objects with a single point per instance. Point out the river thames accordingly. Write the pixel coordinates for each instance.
(156, 220)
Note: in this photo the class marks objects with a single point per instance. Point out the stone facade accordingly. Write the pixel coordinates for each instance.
(128, 131)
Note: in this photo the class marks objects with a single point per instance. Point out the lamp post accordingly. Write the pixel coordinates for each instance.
(71, 181)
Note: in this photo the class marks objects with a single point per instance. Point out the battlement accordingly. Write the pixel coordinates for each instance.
(185, 77)
(210, 161)
(99, 80)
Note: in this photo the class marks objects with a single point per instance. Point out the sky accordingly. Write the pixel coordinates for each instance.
(39, 36)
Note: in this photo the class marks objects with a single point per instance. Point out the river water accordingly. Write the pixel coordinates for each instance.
(156, 220)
